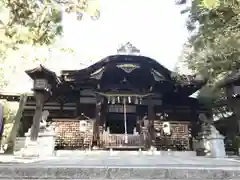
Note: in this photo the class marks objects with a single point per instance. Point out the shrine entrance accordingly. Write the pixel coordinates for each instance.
(121, 128)
(116, 124)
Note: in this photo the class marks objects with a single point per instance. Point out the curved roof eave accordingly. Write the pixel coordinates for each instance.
(113, 58)
(185, 81)
(43, 70)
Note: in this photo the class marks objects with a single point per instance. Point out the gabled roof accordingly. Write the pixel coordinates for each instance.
(120, 59)
(183, 84)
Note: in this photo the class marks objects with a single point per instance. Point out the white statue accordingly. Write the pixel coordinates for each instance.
(145, 120)
(213, 130)
(135, 131)
(43, 123)
(83, 126)
(166, 128)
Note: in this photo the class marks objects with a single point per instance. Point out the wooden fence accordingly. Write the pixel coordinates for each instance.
(118, 141)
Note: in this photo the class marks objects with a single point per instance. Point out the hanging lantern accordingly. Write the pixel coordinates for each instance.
(136, 100)
(113, 100)
(118, 99)
(121, 99)
(129, 99)
(140, 101)
(109, 100)
(124, 99)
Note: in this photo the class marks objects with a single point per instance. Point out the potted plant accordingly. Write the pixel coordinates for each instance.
(236, 144)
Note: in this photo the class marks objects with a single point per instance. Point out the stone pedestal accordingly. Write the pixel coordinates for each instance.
(216, 144)
(30, 149)
(43, 147)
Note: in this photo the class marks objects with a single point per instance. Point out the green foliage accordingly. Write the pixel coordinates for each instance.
(34, 24)
(215, 40)
(236, 143)
(31, 21)
(10, 110)
(38, 22)
(26, 22)
(15, 124)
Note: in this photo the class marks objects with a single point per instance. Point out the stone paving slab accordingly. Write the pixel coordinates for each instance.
(124, 167)
(95, 160)
(115, 173)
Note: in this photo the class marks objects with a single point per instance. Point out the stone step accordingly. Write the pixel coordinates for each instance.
(144, 173)
(123, 165)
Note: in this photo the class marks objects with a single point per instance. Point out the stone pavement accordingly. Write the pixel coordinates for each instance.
(124, 165)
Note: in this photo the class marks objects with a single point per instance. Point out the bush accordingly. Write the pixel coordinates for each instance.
(10, 109)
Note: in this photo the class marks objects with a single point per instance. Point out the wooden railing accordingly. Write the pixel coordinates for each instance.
(118, 141)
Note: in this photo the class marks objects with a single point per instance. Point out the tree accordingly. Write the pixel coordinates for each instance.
(38, 22)
(28, 26)
(35, 24)
(214, 42)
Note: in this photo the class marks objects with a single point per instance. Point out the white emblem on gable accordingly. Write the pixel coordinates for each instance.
(98, 73)
(157, 76)
(128, 68)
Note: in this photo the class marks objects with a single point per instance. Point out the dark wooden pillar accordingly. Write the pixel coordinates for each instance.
(236, 108)
(39, 97)
(78, 107)
(96, 138)
(151, 117)
(232, 93)
(104, 110)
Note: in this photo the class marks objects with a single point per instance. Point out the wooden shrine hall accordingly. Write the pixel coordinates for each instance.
(122, 101)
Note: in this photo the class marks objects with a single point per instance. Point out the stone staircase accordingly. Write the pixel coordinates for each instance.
(124, 165)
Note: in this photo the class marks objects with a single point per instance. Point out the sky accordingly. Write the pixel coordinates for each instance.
(155, 27)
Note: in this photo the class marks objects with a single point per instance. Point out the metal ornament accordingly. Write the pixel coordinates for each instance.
(128, 68)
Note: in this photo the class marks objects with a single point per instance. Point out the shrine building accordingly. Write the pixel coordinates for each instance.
(121, 102)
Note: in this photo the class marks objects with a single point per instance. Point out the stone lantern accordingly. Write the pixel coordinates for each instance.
(40, 143)
(42, 91)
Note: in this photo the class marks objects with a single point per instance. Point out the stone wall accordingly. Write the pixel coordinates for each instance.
(70, 135)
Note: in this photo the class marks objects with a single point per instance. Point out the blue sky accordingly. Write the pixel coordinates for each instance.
(153, 26)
